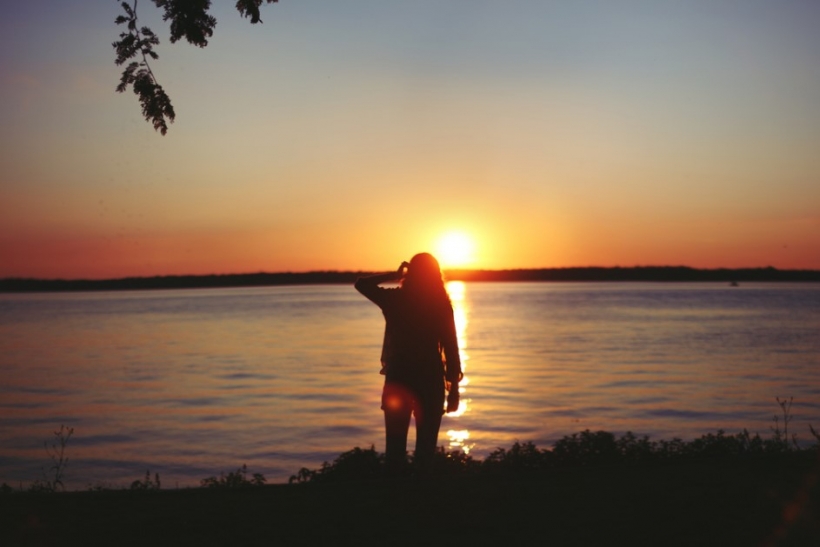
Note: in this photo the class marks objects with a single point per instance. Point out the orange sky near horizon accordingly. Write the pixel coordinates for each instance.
(350, 138)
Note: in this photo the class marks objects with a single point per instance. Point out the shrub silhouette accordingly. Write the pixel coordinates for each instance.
(234, 479)
(358, 464)
(147, 483)
(585, 448)
(520, 459)
(59, 462)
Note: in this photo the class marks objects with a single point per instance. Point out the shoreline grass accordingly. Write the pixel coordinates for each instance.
(577, 450)
(771, 500)
(590, 488)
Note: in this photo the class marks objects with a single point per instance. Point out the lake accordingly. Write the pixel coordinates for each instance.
(193, 383)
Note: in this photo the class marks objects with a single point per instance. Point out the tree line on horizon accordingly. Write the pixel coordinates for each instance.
(590, 274)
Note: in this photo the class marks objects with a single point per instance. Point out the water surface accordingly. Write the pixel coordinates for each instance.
(191, 383)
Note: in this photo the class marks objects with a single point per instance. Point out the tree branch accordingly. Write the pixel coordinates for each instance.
(156, 105)
(190, 20)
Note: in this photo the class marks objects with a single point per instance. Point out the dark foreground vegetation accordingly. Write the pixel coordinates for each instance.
(591, 488)
(640, 273)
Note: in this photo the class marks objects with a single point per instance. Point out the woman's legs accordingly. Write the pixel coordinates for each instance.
(428, 410)
(428, 423)
(397, 403)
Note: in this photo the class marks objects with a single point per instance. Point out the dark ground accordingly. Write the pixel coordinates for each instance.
(737, 502)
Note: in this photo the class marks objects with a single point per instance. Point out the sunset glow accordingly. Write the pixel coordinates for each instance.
(555, 134)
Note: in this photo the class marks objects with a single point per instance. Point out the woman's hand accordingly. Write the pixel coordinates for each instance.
(453, 398)
(402, 271)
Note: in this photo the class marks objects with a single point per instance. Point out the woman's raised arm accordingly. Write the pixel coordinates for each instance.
(369, 285)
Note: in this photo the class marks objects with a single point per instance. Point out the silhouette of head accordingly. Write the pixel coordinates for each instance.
(424, 266)
(423, 274)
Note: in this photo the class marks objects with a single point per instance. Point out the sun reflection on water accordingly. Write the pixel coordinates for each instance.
(458, 437)
(458, 440)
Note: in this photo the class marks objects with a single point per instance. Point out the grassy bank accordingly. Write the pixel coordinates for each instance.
(735, 501)
(590, 488)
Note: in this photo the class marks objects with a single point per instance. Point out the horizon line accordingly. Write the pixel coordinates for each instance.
(444, 270)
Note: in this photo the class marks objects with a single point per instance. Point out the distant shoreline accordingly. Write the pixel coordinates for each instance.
(586, 274)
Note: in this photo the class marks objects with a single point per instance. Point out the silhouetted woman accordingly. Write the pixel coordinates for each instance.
(420, 358)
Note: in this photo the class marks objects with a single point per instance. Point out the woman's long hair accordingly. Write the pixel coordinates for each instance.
(424, 279)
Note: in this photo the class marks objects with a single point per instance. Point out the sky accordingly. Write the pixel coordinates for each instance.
(351, 135)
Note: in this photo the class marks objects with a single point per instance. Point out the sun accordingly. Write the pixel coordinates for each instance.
(455, 249)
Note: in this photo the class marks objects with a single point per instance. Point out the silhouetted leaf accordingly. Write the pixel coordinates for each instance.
(250, 8)
(156, 105)
(189, 20)
(127, 77)
(125, 48)
(127, 9)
